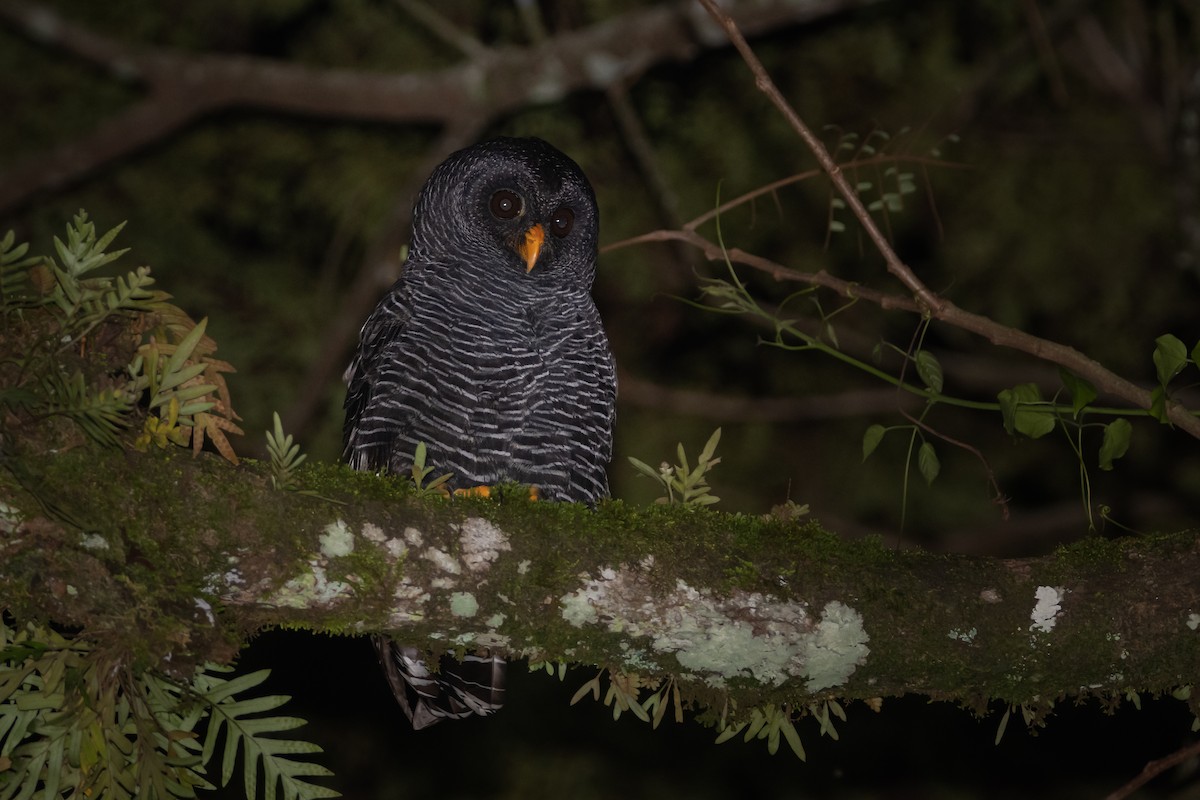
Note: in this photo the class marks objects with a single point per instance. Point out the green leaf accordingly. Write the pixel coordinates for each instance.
(1003, 724)
(710, 447)
(1170, 356)
(871, 439)
(929, 370)
(173, 378)
(183, 350)
(793, 739)
(1025, 412)
(645, 469)
(1116, 442)
(927, 462)
(729, 732)
(1158, 405)
(1082, 392)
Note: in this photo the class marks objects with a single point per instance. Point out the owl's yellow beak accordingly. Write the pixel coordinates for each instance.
(531, 245)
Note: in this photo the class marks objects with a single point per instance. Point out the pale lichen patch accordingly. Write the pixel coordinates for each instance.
(373, 533)
(1193, 621)
(839, 646)
(482, 542)
(463, 604)
(1046, 608)
(311, 588)
(963, 636)
(442, 560)
(410, 598)
(94, 541)
(413, 537)
(336, 540)
(745, 634)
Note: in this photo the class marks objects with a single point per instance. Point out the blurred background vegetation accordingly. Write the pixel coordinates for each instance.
(1056, 151)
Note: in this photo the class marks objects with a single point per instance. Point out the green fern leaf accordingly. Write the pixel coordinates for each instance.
(249, 735)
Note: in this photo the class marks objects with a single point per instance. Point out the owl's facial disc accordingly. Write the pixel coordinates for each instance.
(530, 245)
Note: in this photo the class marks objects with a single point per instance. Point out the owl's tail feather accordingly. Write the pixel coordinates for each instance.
(459, 690)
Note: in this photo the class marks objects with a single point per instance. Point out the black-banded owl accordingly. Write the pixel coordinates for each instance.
(490, 351)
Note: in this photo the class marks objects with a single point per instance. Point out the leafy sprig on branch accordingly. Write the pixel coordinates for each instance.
(93, 347)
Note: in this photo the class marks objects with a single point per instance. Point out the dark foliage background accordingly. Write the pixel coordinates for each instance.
(1066, 204)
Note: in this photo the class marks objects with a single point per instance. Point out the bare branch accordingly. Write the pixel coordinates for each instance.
(1156, 768)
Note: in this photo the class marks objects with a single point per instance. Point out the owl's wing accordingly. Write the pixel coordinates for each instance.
(372, 421)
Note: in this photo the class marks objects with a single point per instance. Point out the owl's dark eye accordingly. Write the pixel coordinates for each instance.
(506, 204)
(561, 222)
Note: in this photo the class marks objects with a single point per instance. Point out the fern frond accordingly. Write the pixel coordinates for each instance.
(15, 274)
(83, 252)
(101, 412)
(247, 734)
(285, 457)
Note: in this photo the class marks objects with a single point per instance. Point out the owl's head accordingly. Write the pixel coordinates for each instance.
(514, 209)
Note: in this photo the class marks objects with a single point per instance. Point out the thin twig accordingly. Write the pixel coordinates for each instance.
(1040, 35)
(713, 252)
(636, 391)
(442, 28)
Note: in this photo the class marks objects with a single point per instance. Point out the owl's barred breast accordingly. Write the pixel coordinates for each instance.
(499, 386)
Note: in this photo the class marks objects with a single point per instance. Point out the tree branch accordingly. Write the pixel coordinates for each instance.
(184, 86)
(761, 610)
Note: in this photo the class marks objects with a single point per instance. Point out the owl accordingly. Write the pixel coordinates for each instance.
(490, 351)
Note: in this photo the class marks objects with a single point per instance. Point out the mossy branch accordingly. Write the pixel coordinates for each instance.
(733, 607)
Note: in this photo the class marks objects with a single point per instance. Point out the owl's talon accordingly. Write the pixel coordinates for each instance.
(488, 492)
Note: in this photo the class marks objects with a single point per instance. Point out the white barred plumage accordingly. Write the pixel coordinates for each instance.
(490, 351)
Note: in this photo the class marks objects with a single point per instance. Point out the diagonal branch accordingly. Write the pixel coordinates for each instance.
(928, 302)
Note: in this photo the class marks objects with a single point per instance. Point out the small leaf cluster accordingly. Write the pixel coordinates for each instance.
(624, 689)
(74, 723)
(772, 722)
(871, 162)
(1170, 358)
(420, 475)
(685, 485)
(91, 348)
(929, 370)
(1026, 412)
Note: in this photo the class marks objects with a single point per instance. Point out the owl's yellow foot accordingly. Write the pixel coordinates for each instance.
(490, 491)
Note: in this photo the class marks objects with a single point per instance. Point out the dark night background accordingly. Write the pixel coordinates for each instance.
(1063, 199)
